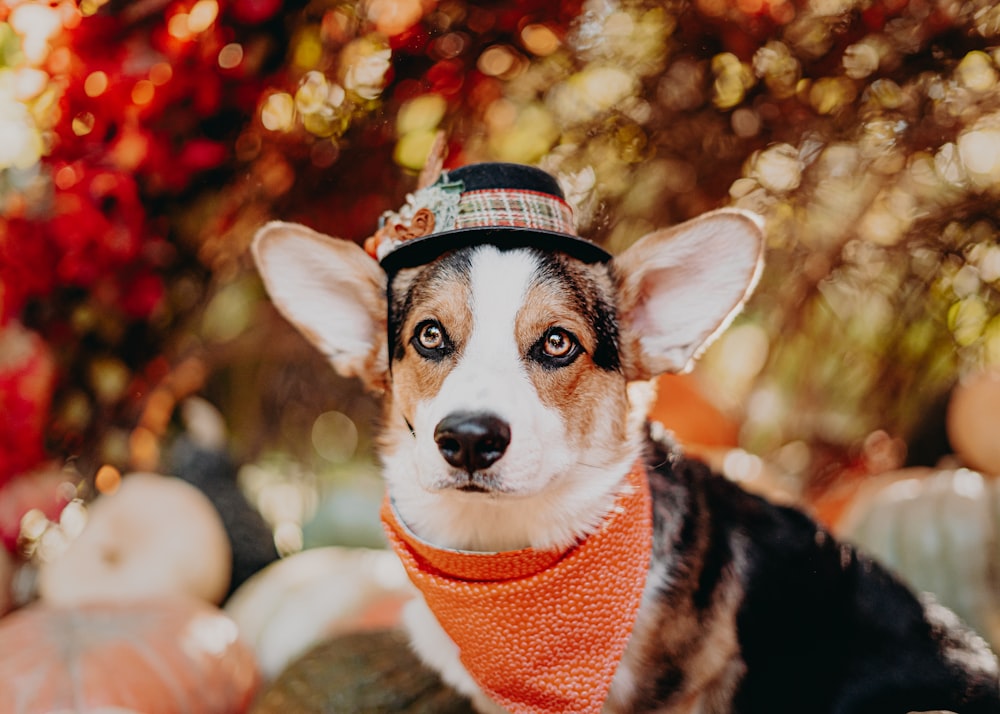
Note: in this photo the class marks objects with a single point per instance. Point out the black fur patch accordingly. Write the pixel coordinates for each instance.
(821, 628)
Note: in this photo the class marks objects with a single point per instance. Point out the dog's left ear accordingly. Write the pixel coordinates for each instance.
(680, 287)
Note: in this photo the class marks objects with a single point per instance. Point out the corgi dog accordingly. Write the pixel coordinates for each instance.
(567, 561)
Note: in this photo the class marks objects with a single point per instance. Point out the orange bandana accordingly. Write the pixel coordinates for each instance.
(540, 631)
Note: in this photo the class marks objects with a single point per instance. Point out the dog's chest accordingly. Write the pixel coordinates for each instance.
(710, 674)
(705, 682)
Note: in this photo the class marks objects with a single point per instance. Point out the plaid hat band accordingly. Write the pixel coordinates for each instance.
(513, 208)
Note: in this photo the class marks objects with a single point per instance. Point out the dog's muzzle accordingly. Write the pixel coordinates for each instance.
(472, 441)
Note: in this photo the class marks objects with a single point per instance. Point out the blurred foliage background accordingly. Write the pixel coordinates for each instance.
(143, 142)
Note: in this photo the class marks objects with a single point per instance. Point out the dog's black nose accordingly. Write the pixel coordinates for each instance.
(472, 440)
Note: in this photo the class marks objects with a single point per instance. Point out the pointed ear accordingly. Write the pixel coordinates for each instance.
(680, 287)
(332, 291)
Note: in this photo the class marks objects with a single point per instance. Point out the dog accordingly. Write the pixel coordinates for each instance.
(568, 561)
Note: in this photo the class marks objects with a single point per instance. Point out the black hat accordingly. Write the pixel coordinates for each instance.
(505, 205)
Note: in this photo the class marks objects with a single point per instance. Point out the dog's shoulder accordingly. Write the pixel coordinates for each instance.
(816, 621)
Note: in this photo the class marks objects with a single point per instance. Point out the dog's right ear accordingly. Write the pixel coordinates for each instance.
(332, 291)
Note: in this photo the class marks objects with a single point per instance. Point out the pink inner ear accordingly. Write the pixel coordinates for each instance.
(332, 291)
(649, 303)
(693, 279)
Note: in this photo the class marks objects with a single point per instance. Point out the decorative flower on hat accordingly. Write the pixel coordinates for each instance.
(428, 210)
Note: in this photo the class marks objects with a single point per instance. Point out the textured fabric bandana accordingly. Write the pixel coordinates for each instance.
(540, 631)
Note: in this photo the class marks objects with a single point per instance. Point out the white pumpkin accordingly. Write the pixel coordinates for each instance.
(294, 603)
(939, 530)
(156, 535)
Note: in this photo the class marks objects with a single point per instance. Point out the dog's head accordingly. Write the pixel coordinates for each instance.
(507, 418)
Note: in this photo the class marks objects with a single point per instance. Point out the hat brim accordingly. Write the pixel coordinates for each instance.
(422, 250)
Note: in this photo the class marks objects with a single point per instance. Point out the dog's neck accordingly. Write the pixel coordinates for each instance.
(565, 600)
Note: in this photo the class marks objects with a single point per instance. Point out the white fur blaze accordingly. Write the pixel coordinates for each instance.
(680, 287)
(489, 377)
(332, 291)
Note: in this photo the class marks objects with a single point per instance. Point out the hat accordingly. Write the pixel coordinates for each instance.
(500, 204)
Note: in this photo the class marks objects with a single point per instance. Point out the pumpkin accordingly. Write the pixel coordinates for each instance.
(360, 672)
(939, 530)
(682, 407)
(156, 535)
(295, 602)
(45, 490)
(973, 421)
(165, 655)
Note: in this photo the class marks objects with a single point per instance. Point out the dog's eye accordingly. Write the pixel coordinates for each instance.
(556, 348)
(431, 337)
(557, 344)
(430, 340)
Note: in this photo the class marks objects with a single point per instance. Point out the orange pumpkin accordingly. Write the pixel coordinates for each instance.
(165, 655)
(682, 407)
(974, 420)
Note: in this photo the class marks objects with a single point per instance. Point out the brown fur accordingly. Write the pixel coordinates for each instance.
(581, 391)
(415, 379)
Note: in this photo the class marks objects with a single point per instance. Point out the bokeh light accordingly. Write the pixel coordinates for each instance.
(107, 479)
(335, 437)
(231, 56)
